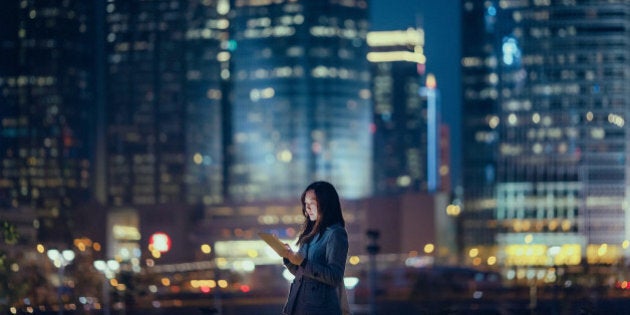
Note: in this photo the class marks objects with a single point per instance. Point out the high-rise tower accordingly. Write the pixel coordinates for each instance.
(480, 137)
(167, 67)
(46, 107)
(397, 62)
(557, 76)
(301, 99)
(165, 72)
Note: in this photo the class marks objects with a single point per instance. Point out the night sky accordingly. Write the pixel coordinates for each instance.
(441, 23)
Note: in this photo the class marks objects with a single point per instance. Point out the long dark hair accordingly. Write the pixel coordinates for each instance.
(328, 211)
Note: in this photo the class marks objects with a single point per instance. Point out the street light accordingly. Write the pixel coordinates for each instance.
(60, 260)
(108, 269)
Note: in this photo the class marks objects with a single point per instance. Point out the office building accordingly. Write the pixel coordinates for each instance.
(397, 63)
(548, 119)
(480, 137)
(301, 107)
(46, 105)
(167, 64)
(164, 101)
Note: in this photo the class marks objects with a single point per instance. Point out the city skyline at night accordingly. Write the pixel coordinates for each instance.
(485, 137)
(173, 95)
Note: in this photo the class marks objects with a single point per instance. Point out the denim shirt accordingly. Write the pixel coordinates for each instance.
(315, 287)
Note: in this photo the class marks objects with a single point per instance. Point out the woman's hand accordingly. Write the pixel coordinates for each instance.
(293, 257)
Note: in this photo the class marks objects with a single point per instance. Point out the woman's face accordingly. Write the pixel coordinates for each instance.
(310, 204)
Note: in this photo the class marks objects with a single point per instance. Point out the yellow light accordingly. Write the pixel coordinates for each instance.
(165, 281)
(566, 225)
(125, 232)
(625, 244)
(221, 262)
(473, 252)
(444, 170)
(492, 260)
(40, 248)
(206, 249)
(203, 283)
(525, 255)
(223, 284)
(529, 238)
(536, 118)
(223, 56)
(453, 210)
(493, 121)
(431, 82)
(390, 56)
(354, 260)
(197, 158)
(285, 156)
(429, 248)
(410, 37)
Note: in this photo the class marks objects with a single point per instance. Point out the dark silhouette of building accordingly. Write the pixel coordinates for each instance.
(46, 111)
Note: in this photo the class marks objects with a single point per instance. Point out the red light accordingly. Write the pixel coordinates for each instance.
(205, 289)
(372, 128)
(245, 288)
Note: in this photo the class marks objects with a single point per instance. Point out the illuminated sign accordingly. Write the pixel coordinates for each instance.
(160, 242)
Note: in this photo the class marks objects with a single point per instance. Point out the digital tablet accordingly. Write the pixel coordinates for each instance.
(276, 244)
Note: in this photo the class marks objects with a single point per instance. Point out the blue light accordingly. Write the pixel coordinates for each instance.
(231, 46)
(511, 51)
(492, 11)
(596, 88)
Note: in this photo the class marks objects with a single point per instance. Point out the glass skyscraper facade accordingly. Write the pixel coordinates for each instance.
(46, 109)
(301, 106)
(550, 110)
(479, 118)
(165, 72)
(398, 62)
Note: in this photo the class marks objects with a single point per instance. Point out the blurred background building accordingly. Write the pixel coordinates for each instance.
(301, 101)
(166, 74)
(47, 84)
(545, 106)
(199, 123)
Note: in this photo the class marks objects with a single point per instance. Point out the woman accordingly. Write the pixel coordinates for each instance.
(320, 262)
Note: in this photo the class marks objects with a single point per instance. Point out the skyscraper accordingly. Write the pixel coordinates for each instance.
(167, 66)
(556, 99)
(479, 117)
(401, 140)
(46, 105)
(165, 72)
(301, 101)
